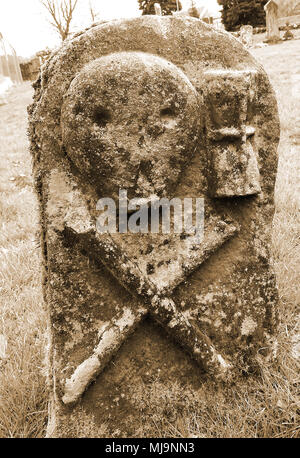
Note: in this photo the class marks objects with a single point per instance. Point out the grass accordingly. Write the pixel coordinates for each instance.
(23, 397)
(268, 406)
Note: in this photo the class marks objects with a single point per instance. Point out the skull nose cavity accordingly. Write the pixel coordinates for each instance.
(101, 116)
(168, 117)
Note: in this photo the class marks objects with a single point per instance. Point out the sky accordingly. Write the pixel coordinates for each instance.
(25, 23)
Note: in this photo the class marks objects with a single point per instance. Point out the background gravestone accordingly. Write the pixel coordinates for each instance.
(246, 35)
(271, 9)
(161, 106)
(157, 9)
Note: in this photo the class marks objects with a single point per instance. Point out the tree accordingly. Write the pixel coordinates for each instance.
(93, 13)
(242, 12)
(288, 8)
(61, 12)
(167, 6)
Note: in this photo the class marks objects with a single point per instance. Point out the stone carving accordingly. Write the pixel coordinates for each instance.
(231, 133)
(246, 35)
(100, 106)
(144, 105)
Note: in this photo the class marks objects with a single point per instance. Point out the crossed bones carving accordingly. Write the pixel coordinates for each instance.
(158, 302)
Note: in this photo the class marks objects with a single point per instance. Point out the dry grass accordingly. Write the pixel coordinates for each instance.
(265, 407)
(22, 317)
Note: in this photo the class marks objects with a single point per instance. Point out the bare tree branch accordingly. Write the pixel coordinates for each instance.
(92, 12)
(61, 12)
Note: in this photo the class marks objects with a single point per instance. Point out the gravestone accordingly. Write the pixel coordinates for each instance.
(246, 35)
(271, 9)
(161, 107)
(157, 9)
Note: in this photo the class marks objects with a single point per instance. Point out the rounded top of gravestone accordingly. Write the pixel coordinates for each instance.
(129, 99)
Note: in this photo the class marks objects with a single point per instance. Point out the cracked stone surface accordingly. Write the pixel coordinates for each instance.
(162, 107)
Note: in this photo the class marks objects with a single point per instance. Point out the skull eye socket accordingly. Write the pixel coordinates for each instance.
(167, 113)
(101, 117)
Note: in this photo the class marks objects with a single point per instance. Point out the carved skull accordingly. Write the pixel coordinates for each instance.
(131, 120)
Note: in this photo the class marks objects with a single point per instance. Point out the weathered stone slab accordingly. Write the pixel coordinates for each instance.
(163, 107)
(271, 9)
